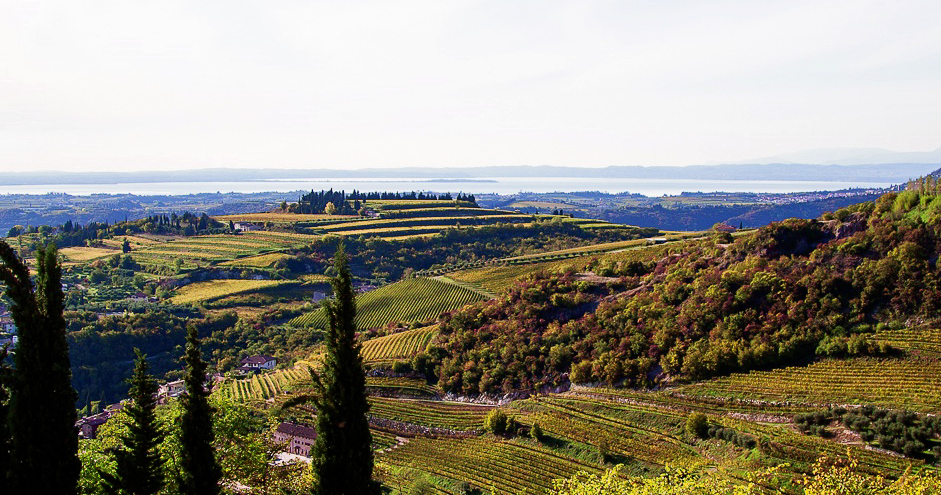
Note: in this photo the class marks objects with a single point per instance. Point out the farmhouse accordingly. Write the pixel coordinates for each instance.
(245, 226)
(88, 426)
(10, 340)
(172, 389)
(259, 362)
(139, 297)
(298, 438)
(7, 325)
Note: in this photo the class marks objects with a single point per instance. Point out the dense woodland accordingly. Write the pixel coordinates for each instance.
(793, 289)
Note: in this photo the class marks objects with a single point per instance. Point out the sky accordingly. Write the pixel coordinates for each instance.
(180, 84)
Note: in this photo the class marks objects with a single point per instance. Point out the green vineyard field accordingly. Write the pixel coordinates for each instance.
(402, 345)
(411, 300)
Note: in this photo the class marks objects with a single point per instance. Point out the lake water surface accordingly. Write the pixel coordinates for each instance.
(501, 185)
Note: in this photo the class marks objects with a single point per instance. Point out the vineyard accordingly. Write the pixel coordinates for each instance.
(259, 261)
(921, 339)
(507, 467)
(411, 300)
(277, 217)
(264, 386)
(215, 289)
(913, 384)
(398, 346)
(439, 414)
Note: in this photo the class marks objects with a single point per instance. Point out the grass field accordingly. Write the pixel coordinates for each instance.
(411, 300)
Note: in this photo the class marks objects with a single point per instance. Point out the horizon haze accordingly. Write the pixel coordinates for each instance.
(177, 86)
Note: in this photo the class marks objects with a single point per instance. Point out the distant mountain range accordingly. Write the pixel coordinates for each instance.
(839, 165)
(850, 156)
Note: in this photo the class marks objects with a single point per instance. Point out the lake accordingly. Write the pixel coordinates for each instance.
(501, 185)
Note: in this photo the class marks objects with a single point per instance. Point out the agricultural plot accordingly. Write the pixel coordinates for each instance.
(398, 346)
(650, 435)
(924, 340)
(215, 289)
(258, 261)
(782, 444)
(136, 241)
(497, 277)
(442, 211)
(265, 386)
(396, 231)
(436, 222)
(401, 385)
(410, 204)
(278, 217)
(219, 248)
(506, 467)
(280, 240)
(411, 300)
(913, 384)
(451, 415)
(83, 254)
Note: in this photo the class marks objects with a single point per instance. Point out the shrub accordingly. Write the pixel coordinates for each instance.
(496, 422)
(536, 431)
(697, 425)
(604, 449)
(401, 367)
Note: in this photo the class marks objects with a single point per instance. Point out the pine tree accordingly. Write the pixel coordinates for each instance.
(201, 471)
(342, 455)
(42, 403)
(140, 468)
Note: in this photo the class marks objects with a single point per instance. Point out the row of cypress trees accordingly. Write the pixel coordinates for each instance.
(38, 438)
(39, 442)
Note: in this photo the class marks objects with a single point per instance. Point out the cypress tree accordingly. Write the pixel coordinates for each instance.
(201, 471)
(140, 468)
(6, 374)
(44, 454)
(342, 455)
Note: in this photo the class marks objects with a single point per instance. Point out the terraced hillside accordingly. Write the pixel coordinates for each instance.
(398, 346)
(412, 300)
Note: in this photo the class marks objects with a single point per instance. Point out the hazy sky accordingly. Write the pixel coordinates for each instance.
(130, 85)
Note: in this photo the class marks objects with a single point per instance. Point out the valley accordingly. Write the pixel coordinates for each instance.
(599, 341)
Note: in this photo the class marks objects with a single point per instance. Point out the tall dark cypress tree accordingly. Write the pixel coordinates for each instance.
(342, 455)
(140, 468)
(201, 471)
(6, 374)
(44, 455)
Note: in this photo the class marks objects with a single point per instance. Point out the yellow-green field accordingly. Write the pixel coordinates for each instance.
(80, 254)
(913, 384)
(398, 346)
(214, 289)
(259, 261)
(278, 217)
